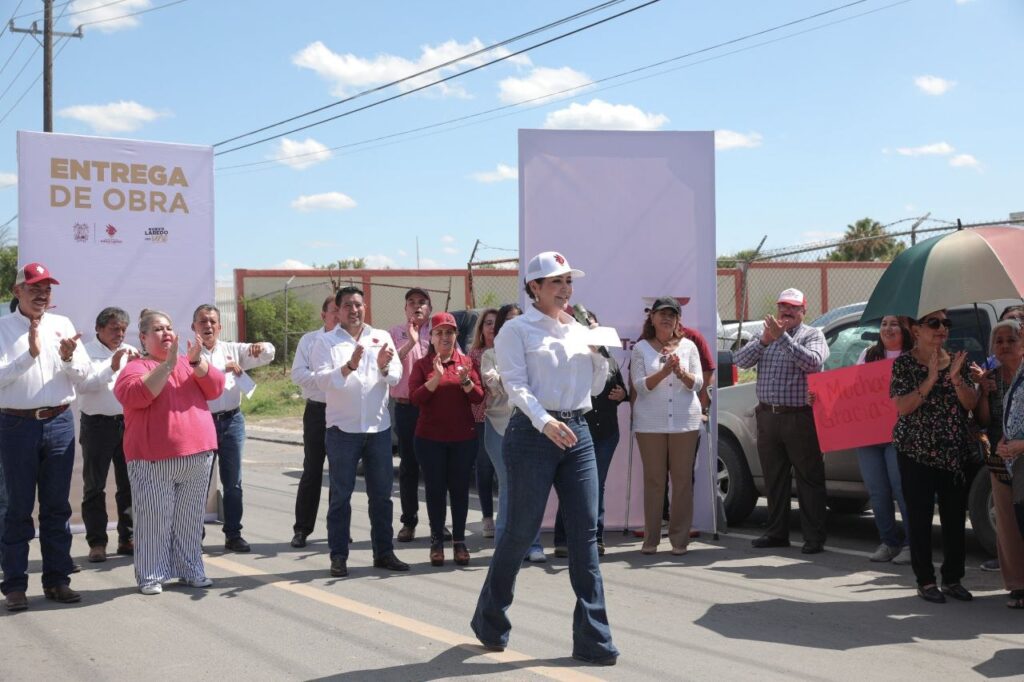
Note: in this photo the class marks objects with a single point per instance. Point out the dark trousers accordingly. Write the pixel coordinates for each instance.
(447, 468)
(921, 485)
(314, 452)
(788, 443)
(406, 416)
(101, 439)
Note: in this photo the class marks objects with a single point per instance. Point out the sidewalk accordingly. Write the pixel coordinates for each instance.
(287, 430)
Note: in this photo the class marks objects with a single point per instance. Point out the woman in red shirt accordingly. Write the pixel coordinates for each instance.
(444, 385)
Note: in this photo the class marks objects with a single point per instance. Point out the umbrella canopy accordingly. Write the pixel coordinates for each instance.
(954, 269)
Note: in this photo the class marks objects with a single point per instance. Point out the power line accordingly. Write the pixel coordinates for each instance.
(16, 48)
(436, 67)
(77, 11)
(40, 11)
(18, 75)
(130, 14)
(63, 43)
(8, 22)
(444, 80)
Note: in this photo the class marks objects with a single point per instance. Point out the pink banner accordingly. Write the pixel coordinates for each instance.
(852, 406)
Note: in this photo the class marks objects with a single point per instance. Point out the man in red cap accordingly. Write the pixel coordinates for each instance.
(785, 353)
(41, 360)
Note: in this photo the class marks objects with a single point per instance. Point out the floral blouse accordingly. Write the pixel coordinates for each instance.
(937, 433)
(1013, 412)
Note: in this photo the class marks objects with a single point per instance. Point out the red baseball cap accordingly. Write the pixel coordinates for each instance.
(33, 273)
(443, 319)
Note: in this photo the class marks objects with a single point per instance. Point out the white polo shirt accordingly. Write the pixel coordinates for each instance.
(28, 383)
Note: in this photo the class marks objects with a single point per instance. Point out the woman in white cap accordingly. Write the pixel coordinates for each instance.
(549, 372)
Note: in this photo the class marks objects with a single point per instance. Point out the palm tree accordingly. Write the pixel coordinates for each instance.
(866, 240)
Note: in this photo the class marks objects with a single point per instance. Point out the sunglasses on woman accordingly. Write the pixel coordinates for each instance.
(935, 323)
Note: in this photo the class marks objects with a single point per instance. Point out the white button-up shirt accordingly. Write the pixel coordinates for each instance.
(357, 403)
(28, 383)
(224, 352)
(670, 407)
(302, 366)
(96, 391)
(546, 364)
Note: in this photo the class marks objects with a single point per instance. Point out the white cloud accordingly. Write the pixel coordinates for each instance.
(450, 250)
(328, 201)
(8, 179)
(909, 208)
(934, 149)
(347, 72)
(300, 155)
(447, 239)
(378, 261)
(430, 264)
(502, 172)
(539, 82)
(933, 85)
(730, 139)
(291, 264)
(598, 114)
(116, 117)
(86, 11)
(965, 161)
(403, 253)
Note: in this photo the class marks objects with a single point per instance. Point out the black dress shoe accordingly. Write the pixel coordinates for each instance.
(237, 545)
(607, 660)
(812, 548)
(932, 594)
(62, 594)
(76, 568)
(766, 541)
(957, 591)
(339, 569)
(492, 647)
(299, 540)
(407, 533)
(16, 601)
(126, 548)
(390, 562)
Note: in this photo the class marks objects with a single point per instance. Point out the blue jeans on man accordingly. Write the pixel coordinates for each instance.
(344, 450)
(230, 439)
(534, 464)
(37, 455)
(881, 473)
(604, 448)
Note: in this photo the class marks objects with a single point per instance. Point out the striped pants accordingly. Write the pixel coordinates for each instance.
(168, 498)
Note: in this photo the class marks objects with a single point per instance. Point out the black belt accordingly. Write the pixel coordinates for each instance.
(40, 413)
(566, 414)
(226, 414)
(318, 403)
(403, 401)
(783, 409)
(108, 417)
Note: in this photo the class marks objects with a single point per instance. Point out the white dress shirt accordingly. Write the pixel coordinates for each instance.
(357, 403)
(302, 366)
(670, 407)
(96, 391)
(224, 352)
(28, 383)
(546, 364)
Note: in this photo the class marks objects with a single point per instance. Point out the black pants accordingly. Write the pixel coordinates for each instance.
(921, 485)
(447, 469)
(101, 438)
(788, 443)
(314, 449)
(406, 416)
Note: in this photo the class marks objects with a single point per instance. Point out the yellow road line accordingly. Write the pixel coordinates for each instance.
(401, 622)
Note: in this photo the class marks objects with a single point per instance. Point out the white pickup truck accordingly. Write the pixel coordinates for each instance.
(731, 336)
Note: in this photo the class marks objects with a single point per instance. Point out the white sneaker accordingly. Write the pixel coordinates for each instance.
(536, 556)
(884, 553)
(488, 528)
(195, 582)
(151, 588)
(903, 558)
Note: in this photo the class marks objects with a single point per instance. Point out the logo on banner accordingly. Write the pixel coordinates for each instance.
(111, 235)
(157, 235)
(81, 232)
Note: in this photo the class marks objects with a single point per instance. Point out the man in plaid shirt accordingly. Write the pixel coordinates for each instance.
(784, 354)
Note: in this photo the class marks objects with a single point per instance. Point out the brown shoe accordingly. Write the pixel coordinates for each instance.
(407, 534)
(16, 601)
(126, 548)
(437, 555)
(62, 594)
(461, 554)
(97, 553)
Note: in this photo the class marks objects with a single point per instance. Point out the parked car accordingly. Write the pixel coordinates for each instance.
(740, 477)
(731, 336)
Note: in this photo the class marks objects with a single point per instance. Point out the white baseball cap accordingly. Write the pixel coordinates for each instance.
(549, 264)
(792, 297)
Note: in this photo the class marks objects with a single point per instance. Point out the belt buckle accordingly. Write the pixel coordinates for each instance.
(565, 414)
(775, 411)
(37, 413)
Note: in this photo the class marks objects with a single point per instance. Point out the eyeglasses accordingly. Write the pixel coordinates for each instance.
(935, 323)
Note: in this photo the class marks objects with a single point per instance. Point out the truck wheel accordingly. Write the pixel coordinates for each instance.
(735, 485)
(981, 511)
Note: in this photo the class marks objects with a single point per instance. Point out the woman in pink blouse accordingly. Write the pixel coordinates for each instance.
(169, 440)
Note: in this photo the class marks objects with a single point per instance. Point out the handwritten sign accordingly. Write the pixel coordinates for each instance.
(852, 406)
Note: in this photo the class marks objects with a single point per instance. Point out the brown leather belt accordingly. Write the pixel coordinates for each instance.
(783, 409)
(39, 414)
(403, 401)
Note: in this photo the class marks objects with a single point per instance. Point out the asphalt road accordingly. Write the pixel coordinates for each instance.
(723, 611)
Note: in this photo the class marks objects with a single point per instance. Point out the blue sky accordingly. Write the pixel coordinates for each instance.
(911, 108)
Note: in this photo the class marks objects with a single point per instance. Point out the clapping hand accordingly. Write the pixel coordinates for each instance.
(618, 394)
(33, 337)
(195, 350)
(124, 354)
(772, 330)
(957, 365)
(981, 377)
(463, 372)
(172, 352)
(384, 357)
(933, 366)
(357, 356)
(67, 346)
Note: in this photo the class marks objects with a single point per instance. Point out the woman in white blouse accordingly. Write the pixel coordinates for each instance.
(549, 373)
(665, 370)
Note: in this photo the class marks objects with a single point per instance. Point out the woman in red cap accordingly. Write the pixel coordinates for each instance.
(444, 385)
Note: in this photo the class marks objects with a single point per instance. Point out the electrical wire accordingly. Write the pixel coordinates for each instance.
(443, 80)
(130, 14)
(62, 42)
(20, 71)
(8, 22)
(16, 48)
(41, 11)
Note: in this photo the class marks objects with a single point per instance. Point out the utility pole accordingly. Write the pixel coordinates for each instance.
(47, 46)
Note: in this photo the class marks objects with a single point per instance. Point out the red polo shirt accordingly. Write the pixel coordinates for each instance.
(445, 413)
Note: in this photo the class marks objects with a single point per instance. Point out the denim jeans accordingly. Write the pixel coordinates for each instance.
(230, 439)
(493, 441)
(406, 416)
(484, 474)
(446, 468)
(344, 450)
(3, 509)
(881, 474)
(101, 439)
(533, 464)
(37, 455)
(604, 448)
